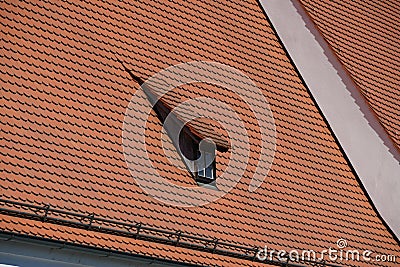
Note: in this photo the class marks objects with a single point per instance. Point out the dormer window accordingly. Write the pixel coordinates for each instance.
(197, 140)
(199, 156)
(206, 171)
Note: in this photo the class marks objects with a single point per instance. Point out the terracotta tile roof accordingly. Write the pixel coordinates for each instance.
(364, 36)
(63, 101)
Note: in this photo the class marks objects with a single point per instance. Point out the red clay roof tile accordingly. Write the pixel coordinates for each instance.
(63, 101)
(364, 36)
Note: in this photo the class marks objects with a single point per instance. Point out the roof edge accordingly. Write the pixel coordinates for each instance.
(370, 151)
(81, 250)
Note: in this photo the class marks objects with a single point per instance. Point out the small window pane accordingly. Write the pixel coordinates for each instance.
(209, 172)
(208, 159)
(201, 173)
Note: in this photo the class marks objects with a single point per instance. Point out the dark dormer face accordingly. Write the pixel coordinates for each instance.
(197, 141)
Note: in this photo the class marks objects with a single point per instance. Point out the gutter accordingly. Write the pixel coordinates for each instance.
(85, 250)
